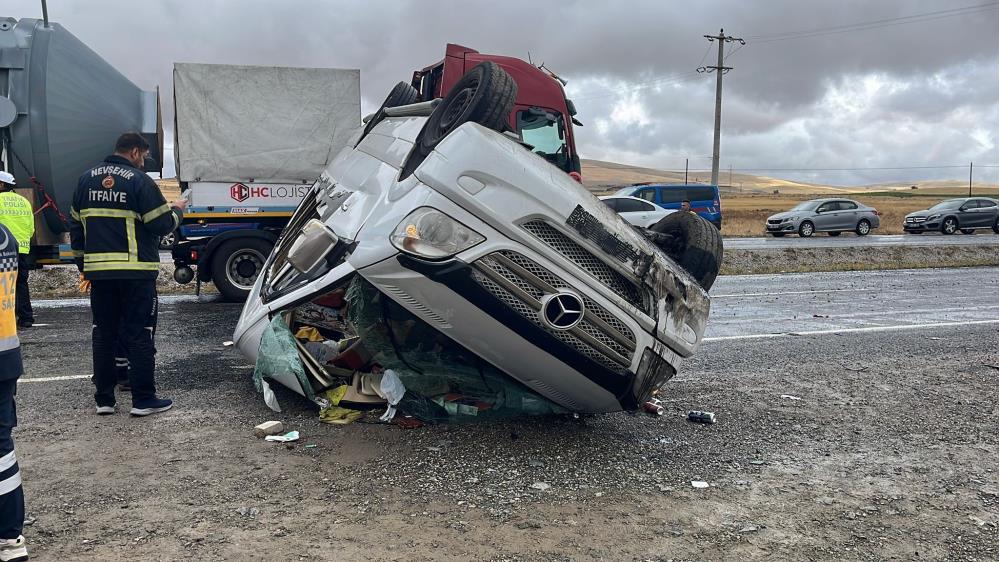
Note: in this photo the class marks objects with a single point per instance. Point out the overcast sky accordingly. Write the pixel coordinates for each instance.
(922, 91)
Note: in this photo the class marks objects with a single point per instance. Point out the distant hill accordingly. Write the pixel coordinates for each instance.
(602, 177)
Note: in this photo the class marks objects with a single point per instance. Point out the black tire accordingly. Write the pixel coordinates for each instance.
(835, 233)
(863, 227)
(806, 231)
(967, 231)
(695, 244)
(914, 232)
(777, 234)
(232, 263)
(484, 95)
(995, 227)
(400, 94)
(949, 225)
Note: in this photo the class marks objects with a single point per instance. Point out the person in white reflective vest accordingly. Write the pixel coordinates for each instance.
(12, 546)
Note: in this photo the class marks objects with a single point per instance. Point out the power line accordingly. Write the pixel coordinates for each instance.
(705, 56)
(662, 81)
(859, 168)
(875, 24)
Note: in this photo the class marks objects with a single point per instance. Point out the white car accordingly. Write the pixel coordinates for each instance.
(638, 212)
(480, 273)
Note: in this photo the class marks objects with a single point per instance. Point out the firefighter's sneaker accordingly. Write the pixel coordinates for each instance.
(150, 406)
(13, 550)
(105, 410)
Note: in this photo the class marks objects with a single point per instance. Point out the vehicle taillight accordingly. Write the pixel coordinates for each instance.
(877, 213)
(194, 255)
(576, 176)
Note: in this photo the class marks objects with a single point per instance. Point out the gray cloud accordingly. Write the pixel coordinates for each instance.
(806, 102)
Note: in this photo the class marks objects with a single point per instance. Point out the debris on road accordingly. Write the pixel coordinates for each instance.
(857, 369)
(654, 407)
(268, 428)
(700, 484)
(248, 511)
(286, 438)
(228, 343)
(789, 397)
(698, 416)
(542, 486)
(334, 413)
(996, 367)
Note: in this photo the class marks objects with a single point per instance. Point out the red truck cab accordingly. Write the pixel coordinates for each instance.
(542, 115)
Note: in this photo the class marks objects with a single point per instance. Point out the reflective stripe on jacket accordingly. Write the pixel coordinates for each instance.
(117, 219)
(16, 214)
(10, 346)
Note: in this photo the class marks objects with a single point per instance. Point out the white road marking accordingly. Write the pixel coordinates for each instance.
(816, 291)
(51, 379)
(852, 330)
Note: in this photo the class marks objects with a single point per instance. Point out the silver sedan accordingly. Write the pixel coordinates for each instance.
(825, 215)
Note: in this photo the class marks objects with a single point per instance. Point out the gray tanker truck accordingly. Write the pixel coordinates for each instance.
(61, 108)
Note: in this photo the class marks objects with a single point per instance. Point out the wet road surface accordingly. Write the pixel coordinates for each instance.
(864, 437)
(762, 306)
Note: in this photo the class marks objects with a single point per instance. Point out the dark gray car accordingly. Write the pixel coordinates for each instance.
(825, 215)
(967, 214)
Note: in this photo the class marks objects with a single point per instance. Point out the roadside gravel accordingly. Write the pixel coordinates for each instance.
(890, 459)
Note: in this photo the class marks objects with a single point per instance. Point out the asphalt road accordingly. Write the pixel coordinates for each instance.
(766, 306)
(856, 416)
(982, 238)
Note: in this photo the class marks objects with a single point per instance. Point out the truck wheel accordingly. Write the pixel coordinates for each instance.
(694, 243)
(401, 94)
(484, 95)
(236, 266)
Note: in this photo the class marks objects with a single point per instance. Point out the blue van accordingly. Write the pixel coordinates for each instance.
(704, 199)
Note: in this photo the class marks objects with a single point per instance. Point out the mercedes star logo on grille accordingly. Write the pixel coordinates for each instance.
(562, 311)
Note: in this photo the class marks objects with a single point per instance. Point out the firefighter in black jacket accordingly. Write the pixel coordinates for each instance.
(117, 218)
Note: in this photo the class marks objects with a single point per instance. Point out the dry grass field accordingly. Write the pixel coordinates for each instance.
(751, 200)
(746, 215)
(170, 188)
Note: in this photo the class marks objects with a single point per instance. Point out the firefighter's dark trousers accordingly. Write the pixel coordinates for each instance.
(124, 313)
(11, 494)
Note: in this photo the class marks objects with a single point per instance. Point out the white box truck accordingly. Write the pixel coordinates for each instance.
(249, 142)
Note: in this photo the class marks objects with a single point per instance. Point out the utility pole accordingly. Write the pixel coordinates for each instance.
(730, 176)
(971, 172)
(720, 69)
(686, 169)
